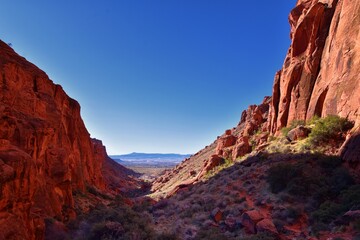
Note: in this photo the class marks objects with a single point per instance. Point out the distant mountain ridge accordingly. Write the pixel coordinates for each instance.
(156, 159)
(136, 155)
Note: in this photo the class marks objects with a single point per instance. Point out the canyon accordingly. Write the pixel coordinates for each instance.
(49, 164)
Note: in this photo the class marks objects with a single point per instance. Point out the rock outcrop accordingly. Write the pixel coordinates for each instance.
(46, 152)
(233, 144)
(320, 75)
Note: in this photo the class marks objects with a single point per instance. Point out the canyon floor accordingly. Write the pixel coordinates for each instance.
(284, 189)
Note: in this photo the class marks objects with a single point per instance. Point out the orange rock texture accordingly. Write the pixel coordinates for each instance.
(45, 150)
(320, 75)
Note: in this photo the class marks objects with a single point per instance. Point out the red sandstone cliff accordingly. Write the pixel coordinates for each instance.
(45, 150)
(320, 75)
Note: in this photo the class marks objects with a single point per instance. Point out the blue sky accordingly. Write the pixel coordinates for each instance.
(154, 75)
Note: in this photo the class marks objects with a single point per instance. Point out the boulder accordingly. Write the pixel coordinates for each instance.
(242, 147)
(266, 225)
(213, 161)
(249, 220)
(350, 151)
(224, 142)
(297, 133)
(217, 215)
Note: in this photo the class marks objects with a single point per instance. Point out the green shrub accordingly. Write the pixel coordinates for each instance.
(293, 213)
(329, 162)
(328, 128)
(339, 180)
(313, 120)
(118, 223)
(280, 175)
(351, 197)
(327, 212)
(318, 227)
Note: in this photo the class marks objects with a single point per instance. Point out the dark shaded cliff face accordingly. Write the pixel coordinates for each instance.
(46, 152)
(320, 75)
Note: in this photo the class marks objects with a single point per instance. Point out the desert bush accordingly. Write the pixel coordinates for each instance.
(279, 176)
(106, 230)
(329, 162)
(260, 236)
(167, 236)
(239, 200)
(118, 223)
(293, 213)
(328, 128)
(161, 204)
(351, 197)
(339, 180)
(318, 227)
(327, 212)
(196, 208)
(94, 191)
(143, 206)
(210, 233)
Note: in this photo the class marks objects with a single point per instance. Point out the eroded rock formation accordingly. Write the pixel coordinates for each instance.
(320, 75)
(46, 152)
(233, 144)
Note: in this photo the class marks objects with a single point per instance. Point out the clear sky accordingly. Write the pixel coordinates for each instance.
(154, 75)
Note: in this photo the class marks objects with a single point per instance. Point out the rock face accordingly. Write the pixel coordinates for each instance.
(351, 150)
(45, 150)
(233, 144)
(320, 75)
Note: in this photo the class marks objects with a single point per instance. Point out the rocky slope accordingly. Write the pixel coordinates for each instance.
(257, 182)
(268, 196)
(233, 144)
(46, 153)
(320, 76)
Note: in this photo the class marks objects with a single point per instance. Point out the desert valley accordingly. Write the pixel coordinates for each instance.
(290, 169)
